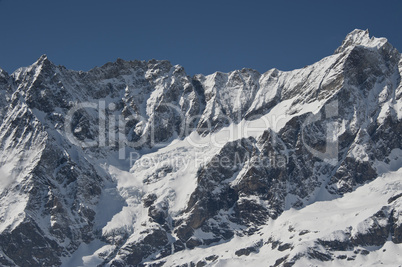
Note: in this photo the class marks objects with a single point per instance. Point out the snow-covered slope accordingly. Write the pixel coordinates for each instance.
(135, 163)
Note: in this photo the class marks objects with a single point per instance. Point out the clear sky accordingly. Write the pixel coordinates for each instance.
(202, 36)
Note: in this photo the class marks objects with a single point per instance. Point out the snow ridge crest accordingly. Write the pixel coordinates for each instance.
(360, 38)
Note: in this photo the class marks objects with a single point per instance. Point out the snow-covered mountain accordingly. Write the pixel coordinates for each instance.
(137, 164)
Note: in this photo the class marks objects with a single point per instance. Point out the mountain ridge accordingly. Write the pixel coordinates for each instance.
(131, 174)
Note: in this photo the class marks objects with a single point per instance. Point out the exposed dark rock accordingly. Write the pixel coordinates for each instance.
(157, 214)
(178, 246)
(212, 258)
(314, 254)
(193, 242)
(378, 232)
(137, 251)
(246, 251)
(280, 260)
(303, 232)
(392, 199)
(338, 245)
(149, 199)
(365, 252)
(26, 240)
(283, 247)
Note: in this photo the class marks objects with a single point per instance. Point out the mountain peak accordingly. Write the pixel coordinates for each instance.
(3, 73)
(43, 61)
(42, 58)
(360, 37)
(359, 33)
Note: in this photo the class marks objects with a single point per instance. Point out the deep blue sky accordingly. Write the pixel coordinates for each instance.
(203, 36)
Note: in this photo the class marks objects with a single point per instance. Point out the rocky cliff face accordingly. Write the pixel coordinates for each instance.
(135, 163)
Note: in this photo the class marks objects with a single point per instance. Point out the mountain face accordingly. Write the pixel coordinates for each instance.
(137, 164)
